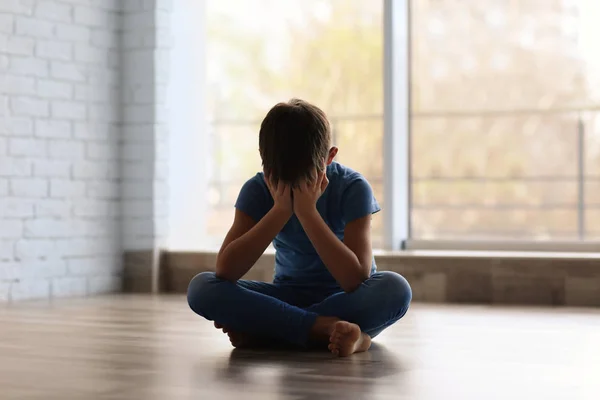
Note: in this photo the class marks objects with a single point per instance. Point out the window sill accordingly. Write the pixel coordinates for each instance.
(452, 254)
(480, 277)
(519, 246)
(496, 254)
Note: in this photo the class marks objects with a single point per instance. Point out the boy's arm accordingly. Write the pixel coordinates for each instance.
(349, 262)
(247, 240)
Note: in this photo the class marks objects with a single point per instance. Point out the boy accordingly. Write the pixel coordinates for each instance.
(317, 213)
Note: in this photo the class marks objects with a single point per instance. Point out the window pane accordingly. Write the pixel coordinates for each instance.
(592, 144)
(592, 208)
(470, 222)
(500, 193)
(592, 171)
(592, 193)
(593, 223)
(262, 52)
(498, 91)
(360, 142)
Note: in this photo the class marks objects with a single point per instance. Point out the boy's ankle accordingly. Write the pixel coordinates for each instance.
(322, 328)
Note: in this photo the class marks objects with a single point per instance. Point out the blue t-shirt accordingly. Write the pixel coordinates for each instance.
(347, 197)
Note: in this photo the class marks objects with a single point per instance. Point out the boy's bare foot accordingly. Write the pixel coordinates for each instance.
(237, 339)
(241, 340)
(347, 338)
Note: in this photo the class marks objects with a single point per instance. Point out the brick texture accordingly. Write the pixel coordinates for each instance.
(143, 148)
(60, 103)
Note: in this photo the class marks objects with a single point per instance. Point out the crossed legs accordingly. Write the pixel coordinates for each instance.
(346, 321)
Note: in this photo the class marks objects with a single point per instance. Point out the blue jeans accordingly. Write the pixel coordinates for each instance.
(287, 313)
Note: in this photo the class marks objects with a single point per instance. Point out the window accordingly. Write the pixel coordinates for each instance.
(503, 139)
(504, 121)
(261, 52)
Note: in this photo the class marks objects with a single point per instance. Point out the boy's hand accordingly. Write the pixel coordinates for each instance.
(282, 195)
(308, 192)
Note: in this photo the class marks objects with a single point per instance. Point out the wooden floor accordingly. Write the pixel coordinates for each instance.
(148, 348)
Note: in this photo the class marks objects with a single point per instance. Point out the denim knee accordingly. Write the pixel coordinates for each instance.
(395, 291)
(201, 291)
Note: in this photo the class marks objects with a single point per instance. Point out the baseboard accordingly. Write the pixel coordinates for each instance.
(448, 277)
(138, 267)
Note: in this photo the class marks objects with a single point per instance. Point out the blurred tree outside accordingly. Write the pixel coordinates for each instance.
(480, 70)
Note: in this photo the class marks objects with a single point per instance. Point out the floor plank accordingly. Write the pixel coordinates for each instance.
(143, 347)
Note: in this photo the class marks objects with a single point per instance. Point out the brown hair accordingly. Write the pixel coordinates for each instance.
(294, 139)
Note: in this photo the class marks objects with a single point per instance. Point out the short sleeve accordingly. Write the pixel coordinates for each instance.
(358, 200)
(253, 199)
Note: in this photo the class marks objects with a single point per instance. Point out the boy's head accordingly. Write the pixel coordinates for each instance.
(294, 140)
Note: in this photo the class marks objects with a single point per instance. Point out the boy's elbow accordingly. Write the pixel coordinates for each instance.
(222, 270)
(350, 289)
(351, 286)
(225, 275)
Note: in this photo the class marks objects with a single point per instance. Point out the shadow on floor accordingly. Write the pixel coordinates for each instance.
(314, 372)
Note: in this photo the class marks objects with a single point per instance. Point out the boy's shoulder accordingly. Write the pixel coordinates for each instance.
(342, 171)
(258, 179)
(352, 192)
(342, 176)
(256, 185)
(254, 198)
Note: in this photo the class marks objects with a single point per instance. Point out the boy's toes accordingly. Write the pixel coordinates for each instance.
(334, 345)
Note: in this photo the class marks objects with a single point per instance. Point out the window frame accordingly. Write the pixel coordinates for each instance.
(396, 122)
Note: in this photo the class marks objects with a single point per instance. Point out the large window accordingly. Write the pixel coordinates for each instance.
(504, 109)
(505, 118)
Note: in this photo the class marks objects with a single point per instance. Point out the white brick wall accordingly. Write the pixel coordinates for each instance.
(54, 50)
(53, 11)
(52, 128)
(59, 155)
(3, 187)
(28, 187)
(54, 89)
(29, 66)
(144, 129)
(27, 147)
